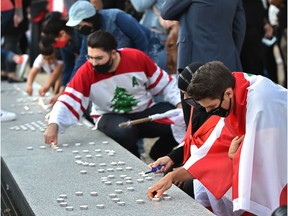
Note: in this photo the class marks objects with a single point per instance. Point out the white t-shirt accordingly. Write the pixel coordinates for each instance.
(48, 68)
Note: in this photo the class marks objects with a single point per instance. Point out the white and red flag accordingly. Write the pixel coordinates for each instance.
(173, 117)
(258, 171)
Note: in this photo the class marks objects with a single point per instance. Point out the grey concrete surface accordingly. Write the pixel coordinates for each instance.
(39, 176)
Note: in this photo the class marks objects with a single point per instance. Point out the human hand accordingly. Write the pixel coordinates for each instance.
(179, 106)
(161, 186)
(18, 17)
(29, 90)
(268, 29)
(42, 91)
(53, 99)
(178, 183)
(51, 134)
(165, 161)
(234, 146)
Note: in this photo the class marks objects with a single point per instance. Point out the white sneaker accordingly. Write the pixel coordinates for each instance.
(7, 116)
(22, 65)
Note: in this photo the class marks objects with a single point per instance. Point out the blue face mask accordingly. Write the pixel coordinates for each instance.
(219, 111)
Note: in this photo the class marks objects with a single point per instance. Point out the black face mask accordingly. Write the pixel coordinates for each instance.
(85, 30)
(219, 111)
(96, 23)
(104, 68)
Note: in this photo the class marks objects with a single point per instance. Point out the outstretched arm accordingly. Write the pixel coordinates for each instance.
(165, 161)
(30, 79)
(52, 79)
(165, 183)
(55, 97)
(51, 134)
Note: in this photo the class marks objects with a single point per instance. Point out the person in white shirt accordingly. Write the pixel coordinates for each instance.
(51, 65)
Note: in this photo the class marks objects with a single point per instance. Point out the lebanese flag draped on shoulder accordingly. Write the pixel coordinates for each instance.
(258, 171)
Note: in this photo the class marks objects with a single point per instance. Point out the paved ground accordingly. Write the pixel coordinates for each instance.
(91, 172)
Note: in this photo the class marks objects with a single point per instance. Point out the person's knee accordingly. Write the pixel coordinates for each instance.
(112, 129)
(127, 134)
(124, 136)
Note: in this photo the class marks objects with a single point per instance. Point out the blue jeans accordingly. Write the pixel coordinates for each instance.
(10, 45)
(6, 55)
(157, 50)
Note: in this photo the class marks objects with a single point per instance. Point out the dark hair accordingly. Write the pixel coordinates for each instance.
(47, 40)
(94, 18)
(186, 75)
(95, 21)
(102, 40)
(210, 81)
(55, 22)
(45, 47)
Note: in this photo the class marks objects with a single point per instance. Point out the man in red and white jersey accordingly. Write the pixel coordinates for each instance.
(121, 85)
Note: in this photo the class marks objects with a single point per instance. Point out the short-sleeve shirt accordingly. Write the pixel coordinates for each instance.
(41, 63)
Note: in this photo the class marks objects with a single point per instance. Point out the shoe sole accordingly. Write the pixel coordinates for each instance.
(21, 67)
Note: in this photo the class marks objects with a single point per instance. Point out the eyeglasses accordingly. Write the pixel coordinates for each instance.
(97, 59)
(192, 102)
(88, 57)
(91, 58)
